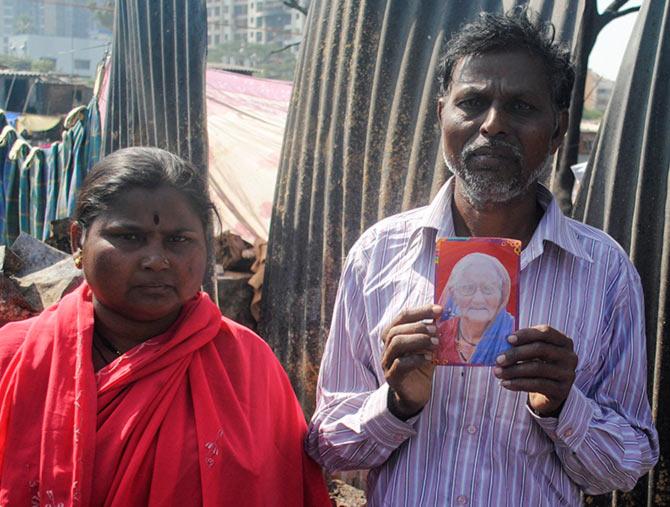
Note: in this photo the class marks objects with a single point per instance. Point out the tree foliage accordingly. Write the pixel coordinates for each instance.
(103, 11)
(42, 65)
(269, 60)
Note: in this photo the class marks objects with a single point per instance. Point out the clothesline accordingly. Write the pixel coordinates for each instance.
(39, 185)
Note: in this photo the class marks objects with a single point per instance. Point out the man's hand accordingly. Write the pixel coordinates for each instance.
(409, 343)
(541, 362)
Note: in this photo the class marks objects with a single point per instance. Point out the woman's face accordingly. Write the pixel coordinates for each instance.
(478, 294)
(145, 257)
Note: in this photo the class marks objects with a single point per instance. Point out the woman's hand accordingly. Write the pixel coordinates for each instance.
(409, 343)
(542, 363)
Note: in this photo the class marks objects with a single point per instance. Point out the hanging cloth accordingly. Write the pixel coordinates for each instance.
(64, 173)
(52, 185)
(37, 168)
(11, 182)
(7, 137)
(24, 191)
(79, 165)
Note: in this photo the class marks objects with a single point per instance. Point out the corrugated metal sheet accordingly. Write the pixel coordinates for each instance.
(157, 84)
(361, 143)
(625, 192)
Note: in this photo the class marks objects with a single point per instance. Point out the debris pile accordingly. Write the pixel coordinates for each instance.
(33, 276)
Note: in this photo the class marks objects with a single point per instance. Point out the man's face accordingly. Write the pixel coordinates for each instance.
(499, 125)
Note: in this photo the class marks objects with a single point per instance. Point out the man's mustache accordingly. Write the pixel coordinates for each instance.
(493, 148)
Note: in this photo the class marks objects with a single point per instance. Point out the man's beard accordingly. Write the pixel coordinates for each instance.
(482, 187)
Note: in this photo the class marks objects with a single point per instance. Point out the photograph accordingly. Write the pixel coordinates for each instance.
(476, 283)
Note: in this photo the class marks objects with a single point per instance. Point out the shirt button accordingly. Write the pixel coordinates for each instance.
(472, 429)
(461, 500)
(567, 433)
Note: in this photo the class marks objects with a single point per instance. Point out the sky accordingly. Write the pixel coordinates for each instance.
(611, 43)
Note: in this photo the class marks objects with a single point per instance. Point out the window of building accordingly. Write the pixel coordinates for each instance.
(217, 39)
(259, 36)
(217, 11)
(82, 64)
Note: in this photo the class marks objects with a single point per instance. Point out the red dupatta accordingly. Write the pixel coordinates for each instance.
(203, 414)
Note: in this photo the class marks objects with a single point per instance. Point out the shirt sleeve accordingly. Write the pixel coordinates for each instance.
(352, 427)
(605, 437)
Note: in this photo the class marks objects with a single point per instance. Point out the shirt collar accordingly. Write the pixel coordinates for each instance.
(553, 227)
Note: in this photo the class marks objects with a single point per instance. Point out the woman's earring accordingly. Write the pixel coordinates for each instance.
(78, 259)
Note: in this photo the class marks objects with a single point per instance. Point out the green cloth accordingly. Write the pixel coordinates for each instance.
(52, 185)
(11, 180)
(5, 146)
(38, 193)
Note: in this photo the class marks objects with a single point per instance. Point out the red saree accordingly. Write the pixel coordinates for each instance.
(201, 415)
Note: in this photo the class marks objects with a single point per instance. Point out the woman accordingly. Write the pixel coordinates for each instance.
(475, 323)
(134, 390)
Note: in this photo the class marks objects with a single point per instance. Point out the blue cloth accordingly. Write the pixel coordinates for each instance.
(24, 192)
(494, 341)
(38, 193)
(11, 118)
(6, 183)
(53, 184)
(12, 187)
(78, 164)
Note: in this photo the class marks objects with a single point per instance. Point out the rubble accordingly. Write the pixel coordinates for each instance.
(34, 276)
(35, 254)
(344, 495)
(10, 263)
(13, 305)
(45, 287)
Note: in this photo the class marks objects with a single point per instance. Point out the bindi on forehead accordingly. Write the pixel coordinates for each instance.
(157, 218)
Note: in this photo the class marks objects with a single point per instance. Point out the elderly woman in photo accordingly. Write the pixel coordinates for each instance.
(134, 390)
(475, 323)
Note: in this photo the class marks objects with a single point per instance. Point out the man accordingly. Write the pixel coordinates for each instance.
(565, 410)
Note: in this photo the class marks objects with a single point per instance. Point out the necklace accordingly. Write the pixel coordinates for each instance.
(463, 343)
(460, 353)
(108, 345)
(462, 337)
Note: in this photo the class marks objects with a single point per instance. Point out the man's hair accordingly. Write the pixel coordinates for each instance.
(516, 29)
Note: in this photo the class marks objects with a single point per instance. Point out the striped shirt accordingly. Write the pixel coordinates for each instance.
(476, 443)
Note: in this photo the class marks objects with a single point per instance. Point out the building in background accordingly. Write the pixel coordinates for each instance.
(255, 22)
(70, 55)
(68, 33)
(597, 92)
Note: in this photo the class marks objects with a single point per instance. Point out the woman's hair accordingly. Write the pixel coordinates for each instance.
(479, 259)
(146, 168)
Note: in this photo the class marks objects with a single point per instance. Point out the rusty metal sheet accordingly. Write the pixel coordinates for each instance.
(625, 193)
(157, 83)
